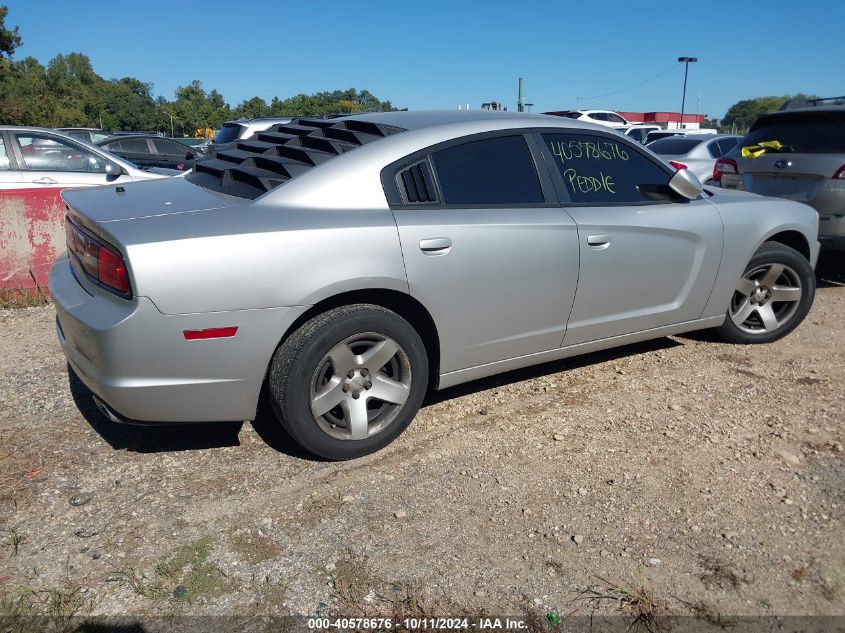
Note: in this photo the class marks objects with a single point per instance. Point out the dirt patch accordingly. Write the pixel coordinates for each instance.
(681, 476)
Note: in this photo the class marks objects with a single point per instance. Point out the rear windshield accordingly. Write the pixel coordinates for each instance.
(228, 133)
(807, 133)
(673, 146)
(653, 136)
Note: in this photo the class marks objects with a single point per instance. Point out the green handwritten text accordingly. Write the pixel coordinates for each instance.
(589, 184)
(593, 150)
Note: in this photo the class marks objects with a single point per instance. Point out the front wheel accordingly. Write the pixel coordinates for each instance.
(349, 381)
(771, 298)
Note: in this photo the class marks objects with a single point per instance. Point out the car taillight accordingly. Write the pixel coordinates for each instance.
(111, 270)
(677, 165)
(101, 263)
(840, 173)
(724, 166)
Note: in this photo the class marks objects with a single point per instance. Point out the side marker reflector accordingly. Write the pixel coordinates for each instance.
(215, 332)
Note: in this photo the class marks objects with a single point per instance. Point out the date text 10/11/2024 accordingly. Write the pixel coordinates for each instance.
(419, 624)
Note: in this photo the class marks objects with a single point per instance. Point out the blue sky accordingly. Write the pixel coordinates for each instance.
(437, 54)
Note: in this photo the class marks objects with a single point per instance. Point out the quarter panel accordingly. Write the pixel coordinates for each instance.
(749, 221)
(263, 257)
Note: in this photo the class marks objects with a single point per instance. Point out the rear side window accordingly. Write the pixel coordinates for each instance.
(135, 145)
(490, 171)
(164, 146)
(600, 171)
(807, 133)
(727, 144)
(228, 133)
(638, 135)
(673, 146)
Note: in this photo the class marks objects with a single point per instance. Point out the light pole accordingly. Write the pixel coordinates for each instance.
(686, 61)
(171, 120)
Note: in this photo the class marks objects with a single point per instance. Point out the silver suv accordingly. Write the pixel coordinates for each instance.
(808, 166)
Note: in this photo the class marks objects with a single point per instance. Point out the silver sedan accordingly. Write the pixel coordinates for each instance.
(696, 152)
(351, 265)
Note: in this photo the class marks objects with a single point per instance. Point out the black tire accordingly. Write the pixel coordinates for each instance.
(797, 273)
(294, 373)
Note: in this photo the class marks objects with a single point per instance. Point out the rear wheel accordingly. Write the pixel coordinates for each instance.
(771, 298)
(349, 381)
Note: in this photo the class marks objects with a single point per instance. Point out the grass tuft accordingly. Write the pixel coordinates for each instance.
(12, 298)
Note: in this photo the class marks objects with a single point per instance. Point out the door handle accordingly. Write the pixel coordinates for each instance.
(598, 242)
(435, 245)
(45, 181)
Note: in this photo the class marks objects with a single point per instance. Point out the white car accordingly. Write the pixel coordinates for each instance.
(639, 131)
(36, 165)
(608, 118)
(36, 158)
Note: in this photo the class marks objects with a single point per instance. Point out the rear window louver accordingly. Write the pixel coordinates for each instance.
(253, 166)
(417, 185)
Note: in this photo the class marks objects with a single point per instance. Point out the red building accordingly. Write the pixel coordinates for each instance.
(668, 120)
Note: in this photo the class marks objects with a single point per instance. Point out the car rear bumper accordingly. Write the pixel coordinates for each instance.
(137, 361)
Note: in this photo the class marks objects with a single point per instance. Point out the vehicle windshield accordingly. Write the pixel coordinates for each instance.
(674, 146)
(807, 133)
(228, 133)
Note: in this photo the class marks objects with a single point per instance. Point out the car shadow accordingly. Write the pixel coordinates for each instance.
(268, 428)
(151, 439)
(553, 367)
(830, 269)
(204, 435)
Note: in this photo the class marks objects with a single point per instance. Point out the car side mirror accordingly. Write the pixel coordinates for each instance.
(113, 170)
(686, 184)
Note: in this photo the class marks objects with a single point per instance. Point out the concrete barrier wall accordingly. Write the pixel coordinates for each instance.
(32, 236)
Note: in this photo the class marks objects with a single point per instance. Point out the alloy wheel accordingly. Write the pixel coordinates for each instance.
(360, 386)
(766, 298)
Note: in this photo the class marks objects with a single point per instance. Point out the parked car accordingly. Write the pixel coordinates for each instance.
(808, 167)
(87, 134)
(151, 151)
(608, 118)
(39, 158)
(355, 263)
(242, 128)
(696, 152)
(656, 135)
(35, 165)
(639, 132)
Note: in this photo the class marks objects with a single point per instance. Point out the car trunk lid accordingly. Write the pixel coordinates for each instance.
(132, 201)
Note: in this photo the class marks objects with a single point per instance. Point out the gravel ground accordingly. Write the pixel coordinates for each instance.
(702, 478)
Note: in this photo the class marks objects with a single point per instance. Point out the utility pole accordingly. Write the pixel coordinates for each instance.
(171, 121)
(686, 61)
(520, 103)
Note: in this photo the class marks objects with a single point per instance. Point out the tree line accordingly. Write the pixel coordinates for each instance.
(68, 93)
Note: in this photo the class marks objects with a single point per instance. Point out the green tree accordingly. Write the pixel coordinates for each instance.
(9, 38)
(335, 102)
(742, 114)
(196, 108)
(25, 96)
(251, 108)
